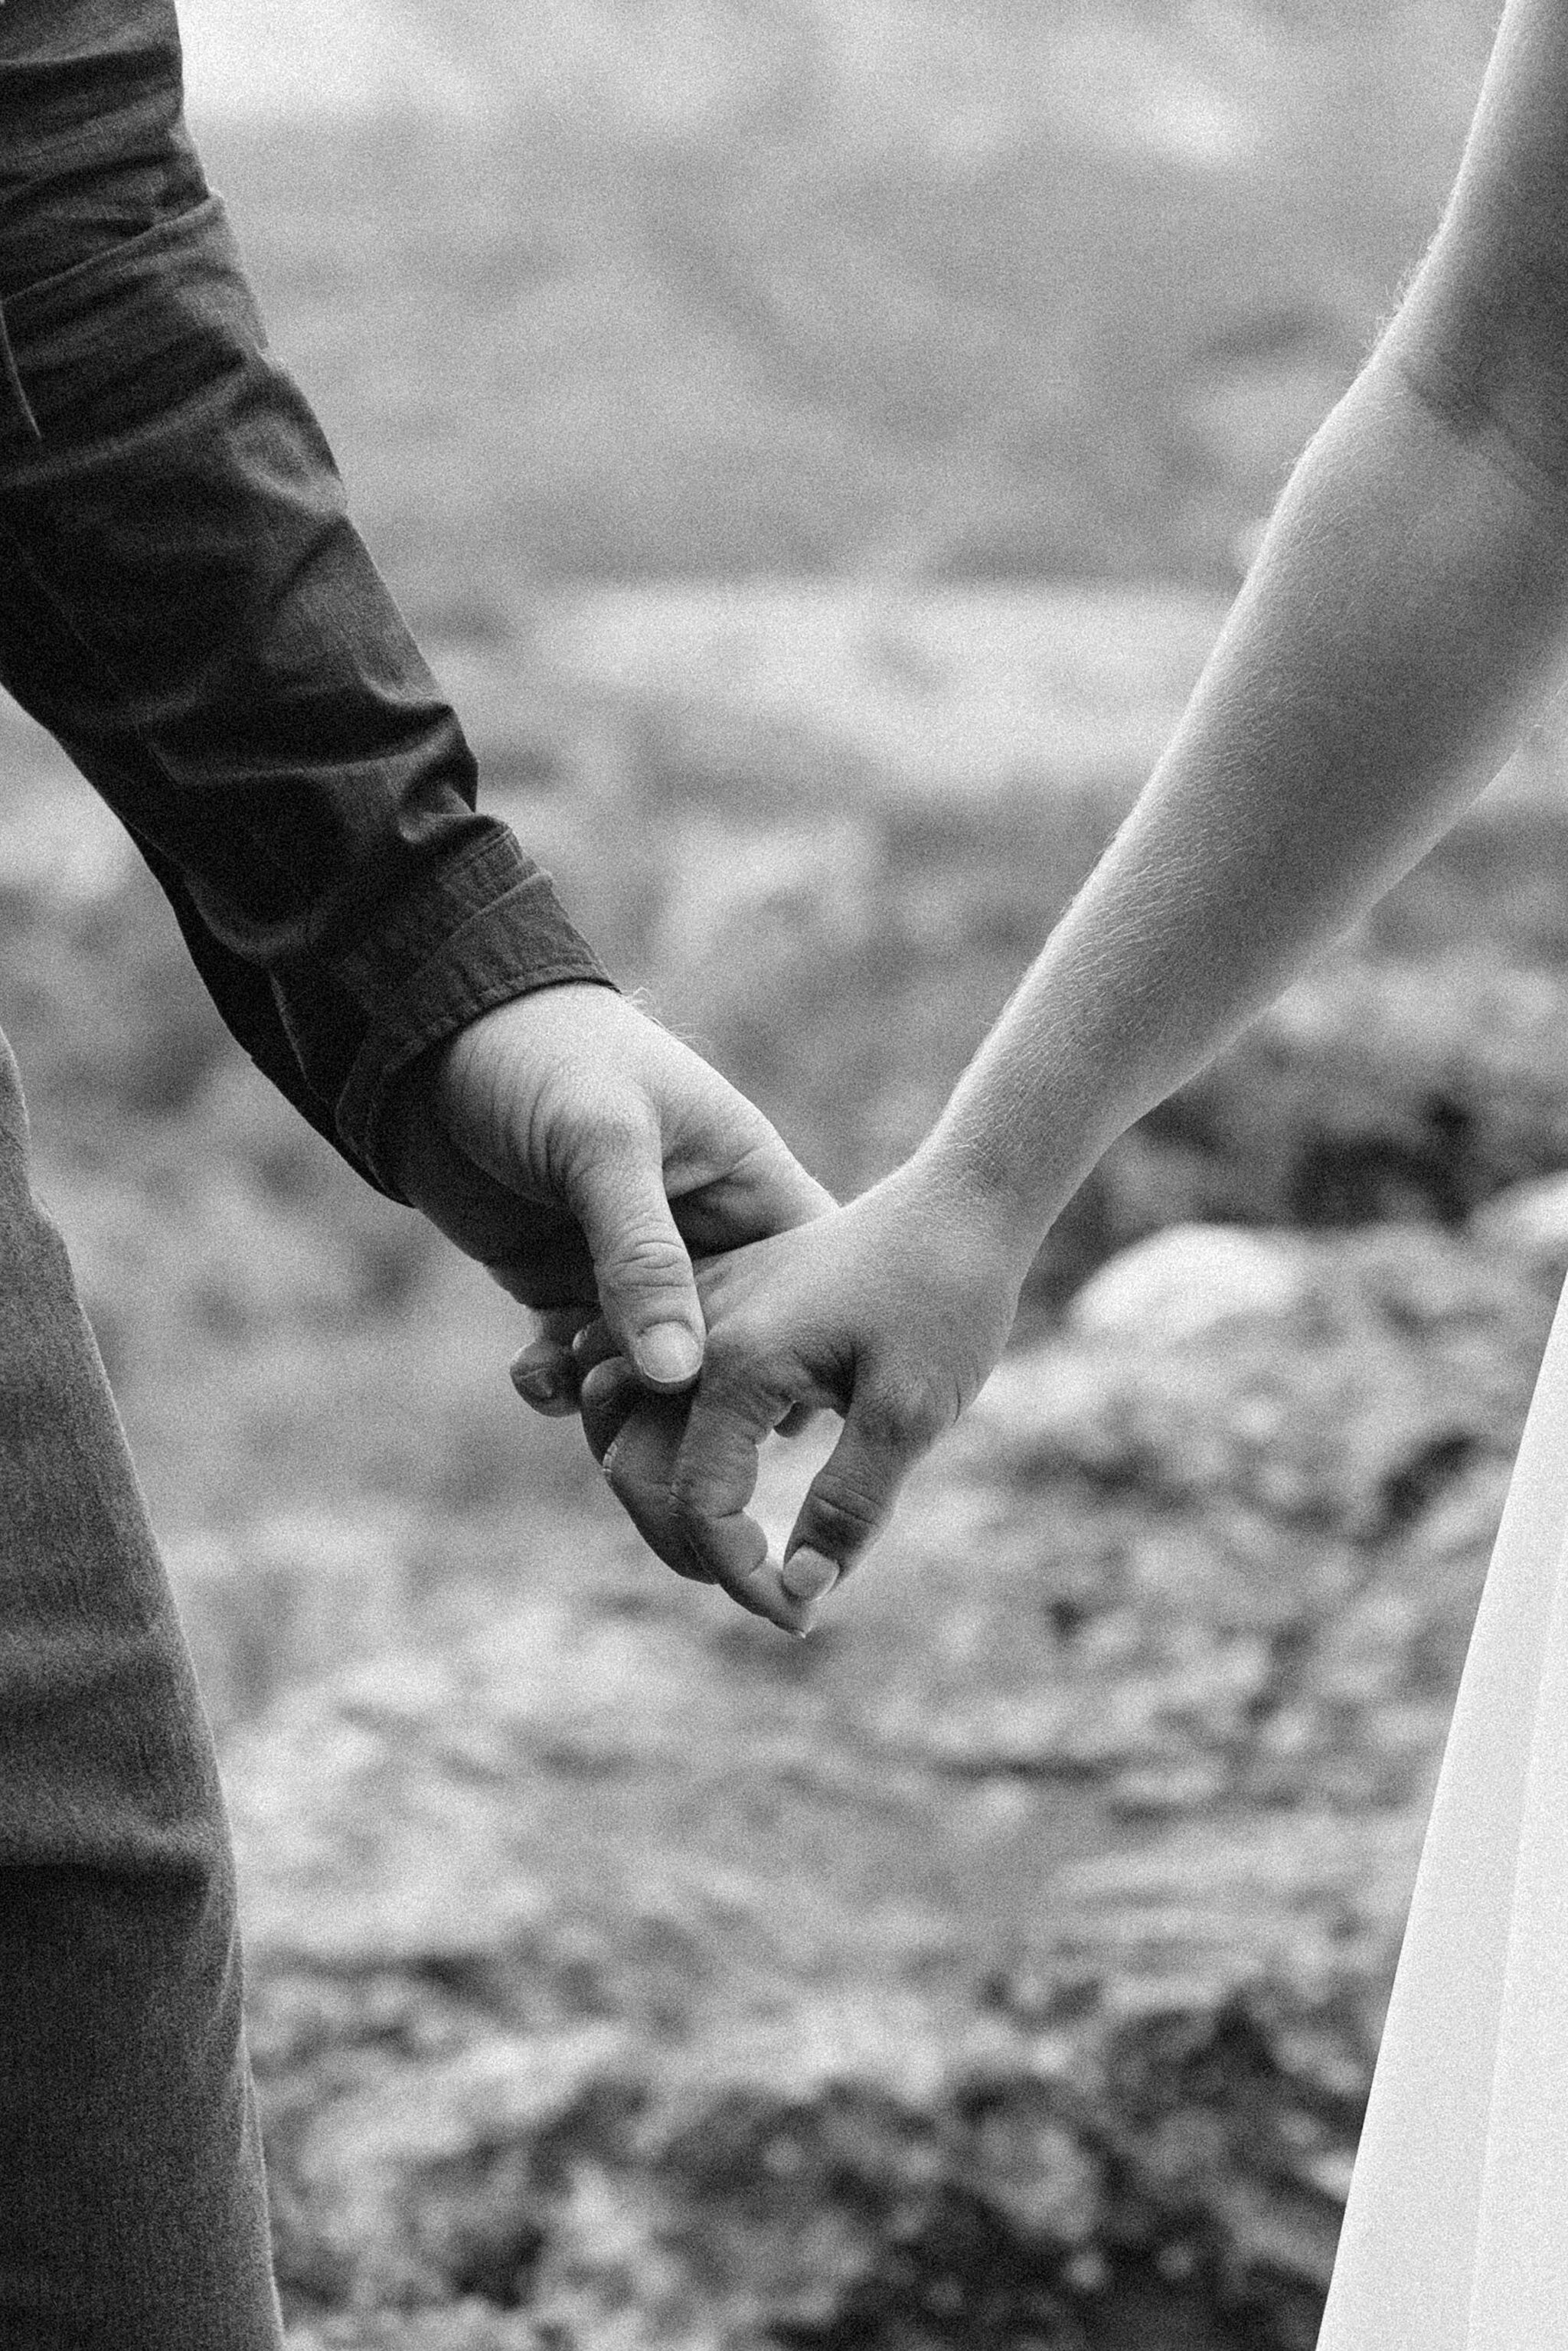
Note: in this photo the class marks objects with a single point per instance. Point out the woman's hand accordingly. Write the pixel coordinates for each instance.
(890, 1311)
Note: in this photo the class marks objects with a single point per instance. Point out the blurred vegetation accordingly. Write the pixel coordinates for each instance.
(962, 291)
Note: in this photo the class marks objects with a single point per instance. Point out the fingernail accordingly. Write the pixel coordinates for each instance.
(668, 1354)
(532, 1380)
(806, 1575)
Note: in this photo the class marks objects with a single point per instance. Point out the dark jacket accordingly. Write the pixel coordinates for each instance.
(186, 606)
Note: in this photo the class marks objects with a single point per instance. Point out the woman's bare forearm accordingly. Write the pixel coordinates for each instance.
(1406, 616)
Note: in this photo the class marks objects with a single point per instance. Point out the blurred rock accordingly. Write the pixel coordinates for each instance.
(618, 1977)
(1403, 1354)
(1417, 1073)
(1189, 1279)
(1258, 1543)
(1529, 1221)
(428, 2179)
(1397, 1086)
(459, 2111)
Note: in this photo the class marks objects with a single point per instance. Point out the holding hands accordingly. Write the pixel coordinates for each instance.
(612, 1180)
(580, 1153)
(889, 1312)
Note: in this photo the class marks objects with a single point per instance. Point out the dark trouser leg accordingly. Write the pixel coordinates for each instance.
(132, 2201)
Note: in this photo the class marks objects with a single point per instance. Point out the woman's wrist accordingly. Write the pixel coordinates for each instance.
(1008, 1207)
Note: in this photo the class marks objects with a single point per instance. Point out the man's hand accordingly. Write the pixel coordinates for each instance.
(579, 1152)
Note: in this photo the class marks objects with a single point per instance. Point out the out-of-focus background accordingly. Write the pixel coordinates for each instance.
(816, 443)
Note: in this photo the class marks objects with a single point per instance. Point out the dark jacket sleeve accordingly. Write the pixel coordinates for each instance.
(186, 606)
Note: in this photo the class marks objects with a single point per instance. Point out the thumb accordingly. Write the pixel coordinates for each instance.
(641, 1267)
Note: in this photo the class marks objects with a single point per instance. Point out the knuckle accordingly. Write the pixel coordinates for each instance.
(843, 1515)
(905, 1415)
(688, 1538)
(739, 1379)
(651, 1259)
(692, 1499)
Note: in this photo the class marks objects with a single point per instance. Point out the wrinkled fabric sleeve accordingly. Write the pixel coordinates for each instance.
(186, 606)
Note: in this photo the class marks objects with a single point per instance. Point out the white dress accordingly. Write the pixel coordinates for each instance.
(1456, 2232)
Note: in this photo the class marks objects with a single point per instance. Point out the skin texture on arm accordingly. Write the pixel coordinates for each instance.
(1406, 617)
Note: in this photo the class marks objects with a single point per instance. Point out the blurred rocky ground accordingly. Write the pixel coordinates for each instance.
(1004, 1964)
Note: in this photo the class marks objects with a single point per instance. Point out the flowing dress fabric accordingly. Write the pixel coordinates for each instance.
(1456, 2232)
